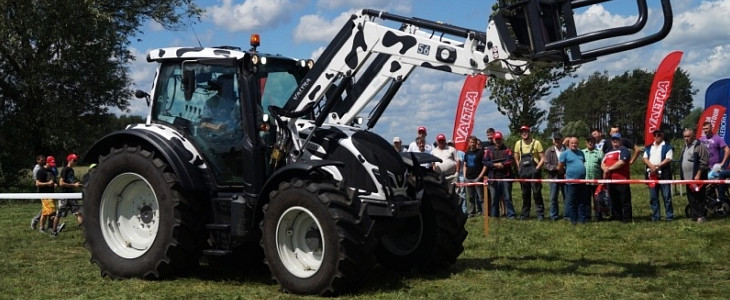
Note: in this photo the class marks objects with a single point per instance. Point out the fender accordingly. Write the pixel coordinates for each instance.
(173, 148)
(289, 171)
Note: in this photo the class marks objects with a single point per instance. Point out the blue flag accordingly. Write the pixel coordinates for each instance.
(719, 93)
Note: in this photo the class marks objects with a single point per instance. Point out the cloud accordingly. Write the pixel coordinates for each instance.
(403, 6)
(430, 98)
(252, 15)
(315, 28)
(705, 26)
(596, 17)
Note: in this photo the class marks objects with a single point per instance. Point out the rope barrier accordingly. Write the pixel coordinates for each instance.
(40, 195)
(598, 181)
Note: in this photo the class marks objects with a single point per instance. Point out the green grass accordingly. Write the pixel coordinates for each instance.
(518, 259)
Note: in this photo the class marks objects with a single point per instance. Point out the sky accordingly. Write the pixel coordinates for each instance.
(303, 28)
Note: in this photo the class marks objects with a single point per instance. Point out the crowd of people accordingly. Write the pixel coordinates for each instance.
(47, 179)
(601, 158)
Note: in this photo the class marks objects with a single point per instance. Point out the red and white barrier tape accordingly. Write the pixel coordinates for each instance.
(597, 181)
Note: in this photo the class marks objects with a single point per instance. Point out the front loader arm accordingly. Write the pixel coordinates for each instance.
(522, 35)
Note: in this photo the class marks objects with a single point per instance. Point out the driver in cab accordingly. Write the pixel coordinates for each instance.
(220, 111)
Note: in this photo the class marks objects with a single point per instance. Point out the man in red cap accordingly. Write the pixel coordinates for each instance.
(421, 134)
(68, 183)
(46, 183)
(498, 161)
(449, 165)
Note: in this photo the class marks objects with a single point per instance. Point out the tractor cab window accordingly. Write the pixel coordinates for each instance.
(209, 113)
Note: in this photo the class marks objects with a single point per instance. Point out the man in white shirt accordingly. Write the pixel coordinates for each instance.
(658, 159)
(413, 147)
(449, 165)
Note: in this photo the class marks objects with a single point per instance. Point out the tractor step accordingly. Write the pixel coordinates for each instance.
(216, 252)
(218, 227)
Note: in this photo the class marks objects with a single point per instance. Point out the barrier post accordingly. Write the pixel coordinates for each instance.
(486, 209)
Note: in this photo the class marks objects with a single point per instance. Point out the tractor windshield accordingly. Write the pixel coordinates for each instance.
(203, 101)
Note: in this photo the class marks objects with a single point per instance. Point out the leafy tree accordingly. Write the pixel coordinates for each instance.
(575, 128)
(690, 121)
(64, 64)
(517, 99)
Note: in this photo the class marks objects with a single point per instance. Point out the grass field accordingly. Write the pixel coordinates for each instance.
(518, 259)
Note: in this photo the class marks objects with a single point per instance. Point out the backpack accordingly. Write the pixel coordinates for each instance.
(528, 167)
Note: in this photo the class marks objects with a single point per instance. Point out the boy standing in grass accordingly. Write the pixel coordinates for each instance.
(46, 183)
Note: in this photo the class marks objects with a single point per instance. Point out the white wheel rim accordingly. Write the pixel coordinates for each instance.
(129, 215)
(299, 242)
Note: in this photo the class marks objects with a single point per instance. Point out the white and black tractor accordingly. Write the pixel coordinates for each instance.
(243, 149)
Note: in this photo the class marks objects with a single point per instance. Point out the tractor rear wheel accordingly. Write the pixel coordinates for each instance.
(431, 241)
(136, 221)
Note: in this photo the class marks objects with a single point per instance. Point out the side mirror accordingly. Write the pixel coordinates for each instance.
(188, 83)
(139, 94)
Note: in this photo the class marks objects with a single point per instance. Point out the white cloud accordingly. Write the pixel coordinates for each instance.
(596, 17)
(704, 26)
(429, 98)
(403, 6)
(316, 53)
(315, 28)
(253, 14)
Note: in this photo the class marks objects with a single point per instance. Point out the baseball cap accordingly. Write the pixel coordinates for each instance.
(524, 128)
(51, 161)
(422, 128)
(497, 135)
(396, 139)
(590, 138)
(616, 136)
(658, 132)
(557, 135)
(440, 137)
(72, 156)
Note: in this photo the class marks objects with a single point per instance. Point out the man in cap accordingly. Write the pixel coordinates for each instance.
(551, 165)
(633, 148)
(615, 165)
(449, 165)
(530, 155)
(46, 183)
(593, 157)
(498, 161)
(421, 133)
(398, 144)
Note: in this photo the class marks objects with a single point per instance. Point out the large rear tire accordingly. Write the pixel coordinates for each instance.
(315, 238)
(431, 241)
(137, 223)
